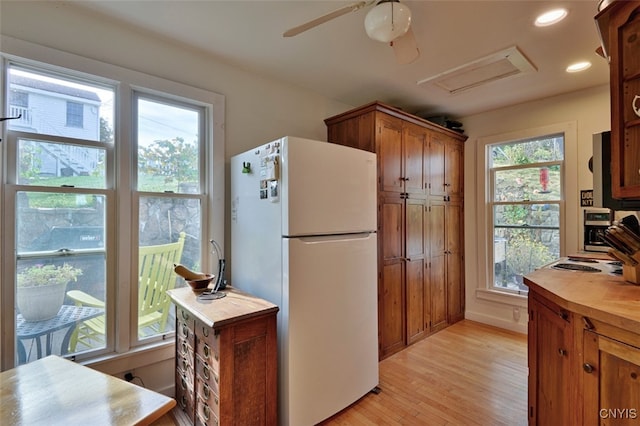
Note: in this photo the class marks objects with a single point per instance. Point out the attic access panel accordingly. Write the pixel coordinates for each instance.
(503, 64)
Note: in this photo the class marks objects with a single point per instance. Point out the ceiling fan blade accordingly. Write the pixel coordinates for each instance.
(324, 18)
(406, 48)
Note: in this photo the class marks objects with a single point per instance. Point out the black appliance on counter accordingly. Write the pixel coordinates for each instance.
(600, 165)
(596, 222)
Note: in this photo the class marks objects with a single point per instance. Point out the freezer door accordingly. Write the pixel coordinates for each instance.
(327, 188)
(331, 345)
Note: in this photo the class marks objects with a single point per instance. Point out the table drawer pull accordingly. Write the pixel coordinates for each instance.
(206, 373)
(206, 350)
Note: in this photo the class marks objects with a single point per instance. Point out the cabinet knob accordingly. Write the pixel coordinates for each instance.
(206, 351)
(205, 372)
(588, 368)
(562, 352)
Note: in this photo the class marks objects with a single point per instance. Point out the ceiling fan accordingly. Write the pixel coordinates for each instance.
(389, 21)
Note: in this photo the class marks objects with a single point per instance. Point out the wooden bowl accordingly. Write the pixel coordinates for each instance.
(202, 284)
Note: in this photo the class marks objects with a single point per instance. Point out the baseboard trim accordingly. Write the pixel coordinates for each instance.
(497, 322)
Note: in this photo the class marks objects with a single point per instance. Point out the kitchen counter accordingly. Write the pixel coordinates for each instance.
(605, 297)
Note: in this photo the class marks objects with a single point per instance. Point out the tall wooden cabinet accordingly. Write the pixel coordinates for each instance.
(420, 207)
(619, 25)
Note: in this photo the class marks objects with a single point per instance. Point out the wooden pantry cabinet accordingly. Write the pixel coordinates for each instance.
(420, 207)
(226, 358)
(619, 26)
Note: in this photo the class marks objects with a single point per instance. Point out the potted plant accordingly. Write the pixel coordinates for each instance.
(41, 290)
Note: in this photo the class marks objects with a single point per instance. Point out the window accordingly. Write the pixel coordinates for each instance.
(525, 178)
(74, 114)
(107, 214)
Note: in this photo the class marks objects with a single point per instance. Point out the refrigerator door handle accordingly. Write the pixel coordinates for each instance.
(335, 237)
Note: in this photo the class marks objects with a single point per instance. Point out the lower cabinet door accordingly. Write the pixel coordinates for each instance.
(611, 381)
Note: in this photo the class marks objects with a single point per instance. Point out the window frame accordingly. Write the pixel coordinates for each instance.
(123, 339)
(569, 205)
(492, 203)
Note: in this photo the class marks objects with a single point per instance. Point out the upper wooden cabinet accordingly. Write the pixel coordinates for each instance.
(407, 147)
(619, 25)
(446, 157)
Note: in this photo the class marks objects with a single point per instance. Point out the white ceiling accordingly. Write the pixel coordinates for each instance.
(338, 60)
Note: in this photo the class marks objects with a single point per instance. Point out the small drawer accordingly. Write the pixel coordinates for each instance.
(206, 414)
(186, 375)
(207, 389)
(208, 373)
(184, 395)
(184, 348)
(185, 325)
(207, 343)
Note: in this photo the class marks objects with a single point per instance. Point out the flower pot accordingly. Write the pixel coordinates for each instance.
(40, 303)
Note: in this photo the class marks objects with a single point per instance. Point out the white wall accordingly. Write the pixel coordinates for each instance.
(258, 109)
(590, 110)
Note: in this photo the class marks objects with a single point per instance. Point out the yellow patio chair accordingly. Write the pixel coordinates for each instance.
(155, 267)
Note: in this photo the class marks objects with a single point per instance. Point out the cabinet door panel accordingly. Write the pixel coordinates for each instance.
(392, 228)
(392, 319)
(389, 132)
(453, 173)
(554, 357)
(436, 165)
(437, 289)
(416, 232)
(414, 140)
(437, 229)
(612, 384)
(415, 300)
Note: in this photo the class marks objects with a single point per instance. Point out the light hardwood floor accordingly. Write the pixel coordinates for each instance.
(467, 374)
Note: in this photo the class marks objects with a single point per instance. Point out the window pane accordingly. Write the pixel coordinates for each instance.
(546, 149)
(168, 148)
(526, 236)
(519, 215)
(167, 229)
(520, 251)
(57, 164)
(53, 105)
(527, 184)
(61, 264)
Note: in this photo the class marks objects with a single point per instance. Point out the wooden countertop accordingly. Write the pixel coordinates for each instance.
(55, 391)
(236, 305)
(604, 297)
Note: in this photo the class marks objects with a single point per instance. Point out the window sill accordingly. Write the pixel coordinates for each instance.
(505, 298)
(142, 356)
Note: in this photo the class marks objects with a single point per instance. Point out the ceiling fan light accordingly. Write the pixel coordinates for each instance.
(387, 21)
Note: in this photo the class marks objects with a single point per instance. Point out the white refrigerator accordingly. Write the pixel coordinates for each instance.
(303, 236)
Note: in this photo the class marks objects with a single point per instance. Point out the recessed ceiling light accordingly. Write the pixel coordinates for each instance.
(551, 17)
(579, 66)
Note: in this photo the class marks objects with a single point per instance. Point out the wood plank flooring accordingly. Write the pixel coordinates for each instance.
(465, 375)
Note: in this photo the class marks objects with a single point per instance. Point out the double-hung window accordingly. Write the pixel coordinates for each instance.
(111, 178)
(525, 207)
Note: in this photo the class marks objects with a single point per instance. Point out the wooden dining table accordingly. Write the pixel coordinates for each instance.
(56, 391)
